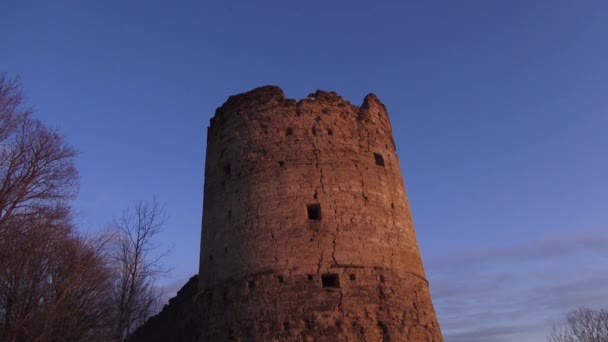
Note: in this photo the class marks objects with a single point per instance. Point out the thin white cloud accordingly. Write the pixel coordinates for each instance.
(515, 293)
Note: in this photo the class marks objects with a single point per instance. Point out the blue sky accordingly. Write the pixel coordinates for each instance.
(499, 111)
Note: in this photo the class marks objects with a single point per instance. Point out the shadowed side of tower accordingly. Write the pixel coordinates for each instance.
(307, 232)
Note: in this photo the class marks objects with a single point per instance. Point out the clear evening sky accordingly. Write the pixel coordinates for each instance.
(499, 110)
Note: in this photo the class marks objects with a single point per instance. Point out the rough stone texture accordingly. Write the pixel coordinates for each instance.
(268, 272)
(175, 322)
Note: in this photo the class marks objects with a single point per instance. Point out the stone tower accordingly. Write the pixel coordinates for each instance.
(307, 233)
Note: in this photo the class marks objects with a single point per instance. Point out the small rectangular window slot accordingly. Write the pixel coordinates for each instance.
(280, 279)
(310, 277)
(379, 159)
(314, 212)
(227, 169)
(331, 280)
(352, 277)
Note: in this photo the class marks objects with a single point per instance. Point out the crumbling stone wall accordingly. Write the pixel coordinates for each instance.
(175, 322)
(307, 232)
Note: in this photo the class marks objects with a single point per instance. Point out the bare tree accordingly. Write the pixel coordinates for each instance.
(582, 325)
(37, 171)
(12, 109)
(54, 284)
(138, 265)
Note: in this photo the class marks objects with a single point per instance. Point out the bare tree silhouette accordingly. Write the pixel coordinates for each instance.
(582, 325)
(54, 284)
(138, 264)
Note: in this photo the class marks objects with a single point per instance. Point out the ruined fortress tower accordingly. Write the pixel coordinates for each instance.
(307, 231)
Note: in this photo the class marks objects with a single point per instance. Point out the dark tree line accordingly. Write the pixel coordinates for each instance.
(55, 283)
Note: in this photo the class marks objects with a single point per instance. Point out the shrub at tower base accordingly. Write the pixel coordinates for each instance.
(307, 233)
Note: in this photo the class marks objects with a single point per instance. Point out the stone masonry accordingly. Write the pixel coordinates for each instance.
(175, 322)
(307, 233)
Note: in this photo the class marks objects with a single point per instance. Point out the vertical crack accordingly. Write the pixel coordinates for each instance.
(363, 192)
(333, 243)
(319, 263)
(324, 190)
(276, 247)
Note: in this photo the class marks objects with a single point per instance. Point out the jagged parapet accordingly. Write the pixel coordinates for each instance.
(307, 232)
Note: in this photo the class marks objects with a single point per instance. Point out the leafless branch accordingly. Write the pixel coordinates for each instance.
(582, 325)
(137, 265)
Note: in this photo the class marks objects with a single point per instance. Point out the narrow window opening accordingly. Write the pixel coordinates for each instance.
(379, 159)
(330, 131)
(289, 131)
(352, 277)
(310, 277)
(282, 163)
(382, 278)
(330, 280)
(314, 212)
(227, 169)
(359, 328)
(313, 130)
(386, 337)
(280, 279)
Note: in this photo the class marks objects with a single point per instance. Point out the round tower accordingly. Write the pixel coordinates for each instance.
(307, 233)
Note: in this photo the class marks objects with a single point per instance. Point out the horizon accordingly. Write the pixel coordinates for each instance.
(497, 110)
